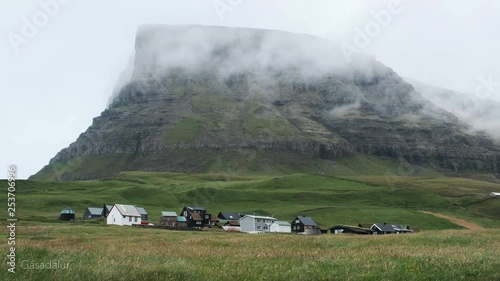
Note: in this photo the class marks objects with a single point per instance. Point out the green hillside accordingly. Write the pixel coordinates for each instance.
(332, 196)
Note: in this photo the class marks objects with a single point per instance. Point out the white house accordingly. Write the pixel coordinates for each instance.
(281, 226)
(495, 194)
(256, 224)
(124, 215)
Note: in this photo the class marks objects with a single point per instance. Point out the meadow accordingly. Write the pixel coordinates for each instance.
(439, 249)
(99, 252)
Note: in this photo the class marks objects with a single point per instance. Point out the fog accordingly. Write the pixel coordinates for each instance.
(60, 70)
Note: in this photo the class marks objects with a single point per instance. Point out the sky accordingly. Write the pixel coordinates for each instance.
(60, 59)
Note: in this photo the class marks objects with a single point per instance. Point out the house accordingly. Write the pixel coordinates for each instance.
(281, 226)
(385, 228)
(124, 215)
(305, 225)
(495, 194)
(106, 209)
(196, 216)
(144, 214)
(92, 213)
(181, 221)
(168, 219)
(256, 224)
(67, 214)
(228, 216)
(348, 229)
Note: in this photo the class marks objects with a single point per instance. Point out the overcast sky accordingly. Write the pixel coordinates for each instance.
(59, 73)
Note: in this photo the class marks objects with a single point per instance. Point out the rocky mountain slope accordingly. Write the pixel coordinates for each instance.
(481, 113)
(208, 98)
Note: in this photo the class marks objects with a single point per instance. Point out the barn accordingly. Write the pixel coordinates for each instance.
(124, 215)
(67, 214)
(92, 213)
(281, 226)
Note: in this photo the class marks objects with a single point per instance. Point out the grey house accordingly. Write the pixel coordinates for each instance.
(256, 224)
(92, 213)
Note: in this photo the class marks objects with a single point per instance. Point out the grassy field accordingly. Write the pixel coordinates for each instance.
(438, 250)
(100, 252)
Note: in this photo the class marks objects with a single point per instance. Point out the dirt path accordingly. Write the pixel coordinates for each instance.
(461, 222)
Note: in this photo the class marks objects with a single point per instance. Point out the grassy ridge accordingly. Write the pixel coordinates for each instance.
(127, 253)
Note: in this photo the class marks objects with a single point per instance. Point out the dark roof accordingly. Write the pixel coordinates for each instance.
(229, 216)
(390, 228)
(109, 207)
(355, 229)
(307, 221)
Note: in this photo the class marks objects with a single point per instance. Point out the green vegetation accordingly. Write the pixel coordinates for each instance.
(329, 199)
(99, 252)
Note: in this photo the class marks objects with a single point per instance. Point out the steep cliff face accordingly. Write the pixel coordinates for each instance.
(200, 95)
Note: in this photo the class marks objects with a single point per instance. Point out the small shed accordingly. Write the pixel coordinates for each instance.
(348, 229)
(168, 219)
(281, 226)
(181, 221)
(92, 213)
(67, 214)
(144, 214)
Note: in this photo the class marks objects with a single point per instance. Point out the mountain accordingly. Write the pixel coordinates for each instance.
(475, 110)
(206, 98)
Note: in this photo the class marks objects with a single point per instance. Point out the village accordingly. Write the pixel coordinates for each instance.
(197, 218)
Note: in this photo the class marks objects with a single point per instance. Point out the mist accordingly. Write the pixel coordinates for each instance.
(63, 76)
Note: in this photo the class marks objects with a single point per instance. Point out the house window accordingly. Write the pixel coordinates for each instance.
(135, 219)
(130, 219)
(259, 227)
(198, 222)
(206, 217)
(265, 227)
